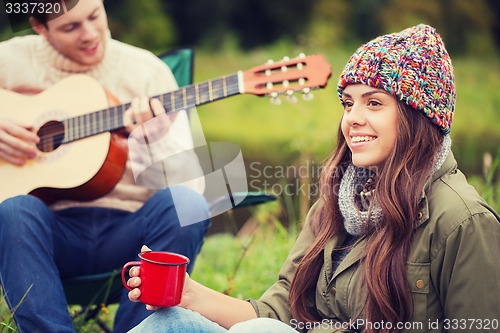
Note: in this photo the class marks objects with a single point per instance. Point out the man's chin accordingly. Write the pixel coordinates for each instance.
(90, 61)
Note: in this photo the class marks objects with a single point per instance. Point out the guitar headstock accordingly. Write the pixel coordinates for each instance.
(288, 76)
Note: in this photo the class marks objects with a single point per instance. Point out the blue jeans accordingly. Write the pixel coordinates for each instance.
(39, 248)
(181, 320)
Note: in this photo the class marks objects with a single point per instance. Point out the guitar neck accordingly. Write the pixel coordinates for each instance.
(286, 77)
(111, 119)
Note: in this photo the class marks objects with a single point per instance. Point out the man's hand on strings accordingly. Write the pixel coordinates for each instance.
(141, 112)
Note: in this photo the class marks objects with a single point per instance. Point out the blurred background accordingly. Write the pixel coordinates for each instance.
(284, 145)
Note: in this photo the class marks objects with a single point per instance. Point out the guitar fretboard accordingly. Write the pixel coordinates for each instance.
(111, 119)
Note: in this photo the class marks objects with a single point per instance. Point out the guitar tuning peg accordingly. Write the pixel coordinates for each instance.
(302, 55)
(270, 62)
(291, 97)
(308, 96)
(286, 58)
(275, 99)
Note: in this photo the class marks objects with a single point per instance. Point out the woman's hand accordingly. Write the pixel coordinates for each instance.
(135, 282)
(217, 307)
(17, 143)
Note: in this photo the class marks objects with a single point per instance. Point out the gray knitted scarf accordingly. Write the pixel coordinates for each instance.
(356, 202)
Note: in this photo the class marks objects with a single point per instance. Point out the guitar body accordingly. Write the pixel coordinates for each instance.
(84, 169)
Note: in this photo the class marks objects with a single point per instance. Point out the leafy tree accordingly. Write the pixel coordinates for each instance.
(468, 26)
(399, 14)
(494, 8)
(141, 23)
(252, 22)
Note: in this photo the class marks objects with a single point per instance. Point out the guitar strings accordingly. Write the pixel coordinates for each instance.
(75, 128)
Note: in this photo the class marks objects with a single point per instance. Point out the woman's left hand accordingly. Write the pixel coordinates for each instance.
(135, 282)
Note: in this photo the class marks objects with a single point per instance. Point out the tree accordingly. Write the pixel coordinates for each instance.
(142, 23)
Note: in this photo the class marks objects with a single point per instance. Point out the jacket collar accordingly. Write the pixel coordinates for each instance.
(449, 166)
(351, 258)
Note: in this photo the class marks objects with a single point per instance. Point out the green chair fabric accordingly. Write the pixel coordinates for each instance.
(181, 63)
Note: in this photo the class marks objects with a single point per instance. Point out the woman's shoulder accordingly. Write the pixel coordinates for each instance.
(451, 196)
(456, 209)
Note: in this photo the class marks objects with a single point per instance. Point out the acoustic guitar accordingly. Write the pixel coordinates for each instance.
(82, 159)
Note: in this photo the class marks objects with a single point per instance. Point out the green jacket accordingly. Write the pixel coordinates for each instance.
(453, 268)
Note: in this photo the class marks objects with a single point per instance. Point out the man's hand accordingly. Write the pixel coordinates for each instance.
(17, 143)
(141, 111)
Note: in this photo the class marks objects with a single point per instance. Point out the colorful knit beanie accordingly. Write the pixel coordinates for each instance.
(412, 65)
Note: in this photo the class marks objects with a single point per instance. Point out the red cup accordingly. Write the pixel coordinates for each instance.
(162, 277)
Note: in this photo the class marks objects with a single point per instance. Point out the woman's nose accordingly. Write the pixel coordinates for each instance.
(356, 116)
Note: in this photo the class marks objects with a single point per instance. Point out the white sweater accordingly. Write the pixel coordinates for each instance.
(30, 63)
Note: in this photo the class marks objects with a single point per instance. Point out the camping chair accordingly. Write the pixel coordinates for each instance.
(92, 291)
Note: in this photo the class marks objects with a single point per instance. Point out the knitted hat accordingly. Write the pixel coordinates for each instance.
(412, 65)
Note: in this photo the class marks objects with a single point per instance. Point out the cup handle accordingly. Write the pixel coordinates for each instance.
(124, 269)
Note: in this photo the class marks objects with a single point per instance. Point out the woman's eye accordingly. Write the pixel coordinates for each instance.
(374, 103)
(346, 104)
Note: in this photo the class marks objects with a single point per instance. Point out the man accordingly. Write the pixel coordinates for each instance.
(41, 244)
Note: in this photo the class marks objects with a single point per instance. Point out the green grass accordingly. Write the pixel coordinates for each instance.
(246, 265)
(6, 320)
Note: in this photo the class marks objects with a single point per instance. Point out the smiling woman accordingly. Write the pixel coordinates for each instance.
(397, 232)
(369, 124)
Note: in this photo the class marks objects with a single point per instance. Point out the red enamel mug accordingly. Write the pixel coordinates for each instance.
(162, 277)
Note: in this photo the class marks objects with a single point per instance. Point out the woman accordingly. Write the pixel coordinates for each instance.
(398, 241)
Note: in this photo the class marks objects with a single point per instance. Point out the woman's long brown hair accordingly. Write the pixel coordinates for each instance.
(399, 186)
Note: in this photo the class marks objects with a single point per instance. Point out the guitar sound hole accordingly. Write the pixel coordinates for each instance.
(51, 136)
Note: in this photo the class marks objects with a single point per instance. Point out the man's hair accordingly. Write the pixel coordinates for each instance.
(43, 16)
